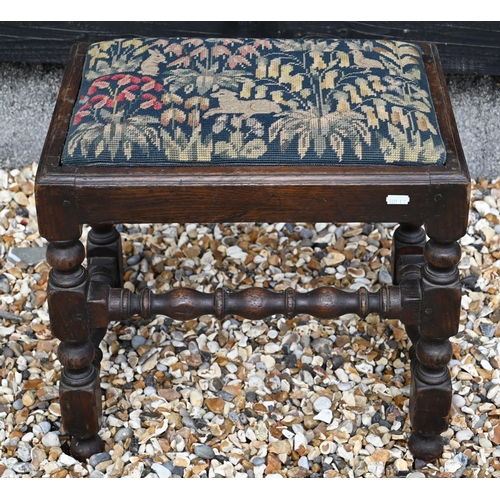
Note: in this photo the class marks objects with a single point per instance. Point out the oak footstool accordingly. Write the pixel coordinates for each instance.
(161, 130)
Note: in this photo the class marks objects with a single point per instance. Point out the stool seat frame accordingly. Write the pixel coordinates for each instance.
(82, 301)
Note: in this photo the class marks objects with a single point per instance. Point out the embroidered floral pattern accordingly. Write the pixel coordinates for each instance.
(180, 101)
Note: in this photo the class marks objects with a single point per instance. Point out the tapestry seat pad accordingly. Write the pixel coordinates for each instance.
(250, 101)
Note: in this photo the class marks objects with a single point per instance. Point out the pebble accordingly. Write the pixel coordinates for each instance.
(258, 461)
(21, 468)
(29, 255)
(66, 460)
(161, 471)
(485, 443)
(204, 451)
(98, 458)
(23, 452)
(458, 400)
(135, 259)
(324, 416)
(196, 398)
(4, 284)
(149, 391)
(322, 403)
(464, 435)
(374, 440)
(51, 439)
(137, 341)
(323, 347)
(18, 404)
(337, 361)
(123, 434)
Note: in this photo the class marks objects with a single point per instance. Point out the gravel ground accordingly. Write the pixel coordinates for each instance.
(28, 93)
(235, 398)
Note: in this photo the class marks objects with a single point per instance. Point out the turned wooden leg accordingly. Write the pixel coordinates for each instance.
(430, 399)
(79, 391)
(408, 240)
(407, 260)
(105, 263)
(104, 250)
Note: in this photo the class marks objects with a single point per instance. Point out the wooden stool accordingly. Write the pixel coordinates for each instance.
(247, 130)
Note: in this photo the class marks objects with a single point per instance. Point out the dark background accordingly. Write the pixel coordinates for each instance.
(465, 47)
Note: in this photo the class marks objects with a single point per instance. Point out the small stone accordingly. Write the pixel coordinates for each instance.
(482, 207)
(18, 404)
(123, 434)
(51, 439)
(149, 391)
(327, 447)
(258, 461)
(169, 394)
(235, 252)
(462, 459)
(379, 456)
(451, 466)
(204, 451)
(337, 361)
(135, 259)
(485, 443)
(98, 458)
(303, 462)
(23, 452)
(400, 465)
(458, 400)
(66, 460)
(324, 416)
(226, 396)
(28, 398)
(215, 404)
(4, 284)
(137, 341)
(161, 471)
(322, 403)
(8, 352)
(464, 435)
(374, 440)
(334, 258)
(196, 398)
(487, 329)
(415, 475)
(323, 347)
(44, 426)
(279, 447)
(21, 468)
(384, 276)
(47, 393)
(30, 255)
(376, 468)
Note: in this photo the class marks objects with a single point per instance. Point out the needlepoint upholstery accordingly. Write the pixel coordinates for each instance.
(185, 101)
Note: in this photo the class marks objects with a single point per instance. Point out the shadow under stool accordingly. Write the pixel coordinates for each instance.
(253, 130)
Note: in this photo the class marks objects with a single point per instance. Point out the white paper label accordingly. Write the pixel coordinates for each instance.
(397, 199)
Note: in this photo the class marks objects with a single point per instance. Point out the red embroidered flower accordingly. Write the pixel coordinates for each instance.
(79, 116)
(150, 100)
(97, 97)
